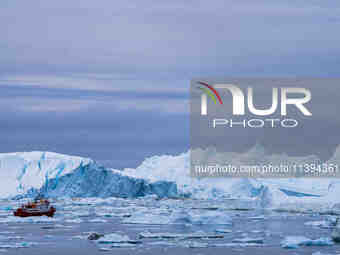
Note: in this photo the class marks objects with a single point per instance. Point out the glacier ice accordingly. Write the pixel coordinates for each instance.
(25, 174)
(291, 194)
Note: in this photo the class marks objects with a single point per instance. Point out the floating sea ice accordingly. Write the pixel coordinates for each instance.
(73, 221)
(83, 237)
(97, 220)
(212, 217)
(105, 249)
(145, 218)
(257, 231)
(235, 244)
(319, 253)
(248, 240)
(181, 217)
(122, 245)
(62, 226)
(225, 230)
(192, 244)
(8, 237)
(116, 238)
(293, 242)
(17, 245)
(320, 224)
(195, 235)
(336, 232)
(260, 217)
(111, 212)
(42, 219)
(79, 213)
(6, 208)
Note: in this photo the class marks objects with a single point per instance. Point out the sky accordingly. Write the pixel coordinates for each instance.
(110, 80)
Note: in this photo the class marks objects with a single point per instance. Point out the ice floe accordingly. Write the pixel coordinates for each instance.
(116, 238)
(195, 235)
(42, 219)
(248, 240)
(18, 245)
(293, 242)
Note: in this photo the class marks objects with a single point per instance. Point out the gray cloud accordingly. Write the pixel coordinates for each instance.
(110, 79)
(151, 38)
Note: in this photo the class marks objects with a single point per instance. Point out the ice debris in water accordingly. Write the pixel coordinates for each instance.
(336, 231)
(42, 219)
(320, 224)
(320, 253)
(73, 221)
(180, 217)
(144, 218)
(97, 220)
(116, 238)
(225, 230)
(212, 217)
(195, 235)
(248, 240)
(293, 242)
(192, 244)
(17, 245)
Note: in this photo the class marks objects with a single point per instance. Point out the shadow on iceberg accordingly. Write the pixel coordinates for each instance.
(92, 180)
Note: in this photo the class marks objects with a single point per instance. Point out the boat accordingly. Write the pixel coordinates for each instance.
(39, 207)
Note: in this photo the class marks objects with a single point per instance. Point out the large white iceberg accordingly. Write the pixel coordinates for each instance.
(56, 175)
(25, 174)
(321, 193)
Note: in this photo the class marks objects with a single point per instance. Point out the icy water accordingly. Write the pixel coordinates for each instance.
(150, 226)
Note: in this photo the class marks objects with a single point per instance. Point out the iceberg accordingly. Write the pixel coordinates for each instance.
(285, 193)
(26, 174)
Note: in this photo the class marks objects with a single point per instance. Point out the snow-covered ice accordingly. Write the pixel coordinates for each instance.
(248, 240)
(24, 174)
(55, 175)
(77, 221)
(293, 242)
(225, 230)
(116, 238)
(195, 235)
(320, 224)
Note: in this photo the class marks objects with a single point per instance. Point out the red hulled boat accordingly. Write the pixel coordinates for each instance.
(37, 208)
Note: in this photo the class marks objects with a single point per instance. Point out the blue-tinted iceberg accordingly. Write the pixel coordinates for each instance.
(25, 174)
(56, 175)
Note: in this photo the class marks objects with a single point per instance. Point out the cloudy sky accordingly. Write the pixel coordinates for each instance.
(110, 79)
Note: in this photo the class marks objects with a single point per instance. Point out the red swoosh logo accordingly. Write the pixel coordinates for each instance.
(213, 90)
